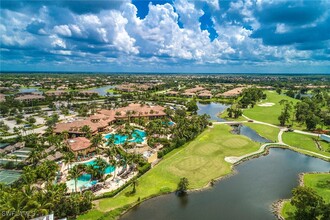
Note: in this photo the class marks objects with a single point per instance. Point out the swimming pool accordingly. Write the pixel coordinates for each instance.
(120, 139)
(84, 181)
(108, 170)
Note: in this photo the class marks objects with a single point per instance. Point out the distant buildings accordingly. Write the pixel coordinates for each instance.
(30, 97)
(231, 93)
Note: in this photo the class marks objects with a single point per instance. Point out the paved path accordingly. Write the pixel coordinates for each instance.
(279, 143)
(261, 149)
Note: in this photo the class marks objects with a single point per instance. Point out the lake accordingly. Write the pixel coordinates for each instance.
(250, 133)
(212, 109)
(246, 195)
(102, 91)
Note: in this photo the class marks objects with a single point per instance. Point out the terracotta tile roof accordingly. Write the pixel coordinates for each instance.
(79, 143)
(29, 97)
(233, 92)
(194, 90)
(102, 119)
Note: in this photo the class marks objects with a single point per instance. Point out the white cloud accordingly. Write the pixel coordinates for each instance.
(63, 30)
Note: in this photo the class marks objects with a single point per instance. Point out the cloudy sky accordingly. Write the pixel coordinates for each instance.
(166, 36)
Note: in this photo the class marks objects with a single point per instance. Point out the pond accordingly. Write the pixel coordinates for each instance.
(29, 90)
(246, 195)
(212, 109)
(250, 133)
(102, 91)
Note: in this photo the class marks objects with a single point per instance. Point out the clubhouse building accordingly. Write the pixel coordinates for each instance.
(104, 118)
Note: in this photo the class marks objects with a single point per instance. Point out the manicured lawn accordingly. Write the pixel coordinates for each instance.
(305, 142)
(200, 161)
(316, 181)
(268, 114)
(265, 131)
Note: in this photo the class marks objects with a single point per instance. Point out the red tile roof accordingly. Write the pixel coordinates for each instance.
(79, 143)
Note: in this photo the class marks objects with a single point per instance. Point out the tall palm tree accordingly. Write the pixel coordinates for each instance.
(114, 163)
(102, 165)
(86, 130)
(69, 158)
(97, 140)
(135, 183)
(92, 170)
(74, 173)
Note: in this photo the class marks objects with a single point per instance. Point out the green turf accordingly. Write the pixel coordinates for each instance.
(316, 181)
(9, 176)
(268, 114)
(265, 131)
(305, 142)
(200, 161)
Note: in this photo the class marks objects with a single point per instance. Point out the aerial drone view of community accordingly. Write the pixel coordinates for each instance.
(93, 146)
(164, 109)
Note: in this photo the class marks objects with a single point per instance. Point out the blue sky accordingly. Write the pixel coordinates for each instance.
(239, 36)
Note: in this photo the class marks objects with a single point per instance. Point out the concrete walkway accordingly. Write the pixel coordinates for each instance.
(280, 142)
(261, 149)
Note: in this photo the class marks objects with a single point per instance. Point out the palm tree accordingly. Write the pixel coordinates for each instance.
(135, 183)
(86, 130)
(97, 140)
(114, 163)
(69, 158)
(92, 170)
(74, 173)
(102, 165)
(34, 157)
(111, 141)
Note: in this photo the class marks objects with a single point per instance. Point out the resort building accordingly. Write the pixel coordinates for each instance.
(56, 93)
(205, 95)
(80, 146)
(232, 93)
(100, 121)
(30, 98)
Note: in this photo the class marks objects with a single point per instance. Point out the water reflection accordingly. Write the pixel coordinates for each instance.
(247, 195)
(213, 109)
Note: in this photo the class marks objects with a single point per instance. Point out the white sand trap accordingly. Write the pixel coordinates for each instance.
(266, 104)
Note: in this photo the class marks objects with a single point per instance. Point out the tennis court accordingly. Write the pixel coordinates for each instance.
(9, 176)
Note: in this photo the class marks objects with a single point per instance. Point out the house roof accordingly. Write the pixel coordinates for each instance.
(104, 117)
(79, 143)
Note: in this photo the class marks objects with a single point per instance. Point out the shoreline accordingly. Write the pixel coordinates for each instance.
(263, 151)
(277, 206)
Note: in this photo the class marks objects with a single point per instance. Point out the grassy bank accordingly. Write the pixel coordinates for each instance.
(268, 114)
(200, 161)
(305, 142)
(265, 131)
(316, 181)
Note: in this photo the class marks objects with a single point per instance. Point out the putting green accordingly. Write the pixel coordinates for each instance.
(200, 161)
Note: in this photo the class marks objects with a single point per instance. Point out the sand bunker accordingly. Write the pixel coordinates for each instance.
(266, 104)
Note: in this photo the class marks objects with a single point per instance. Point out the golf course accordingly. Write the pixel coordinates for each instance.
(200, 160)
(269, 109)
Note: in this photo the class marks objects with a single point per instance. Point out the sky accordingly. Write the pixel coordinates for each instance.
(204, 36)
